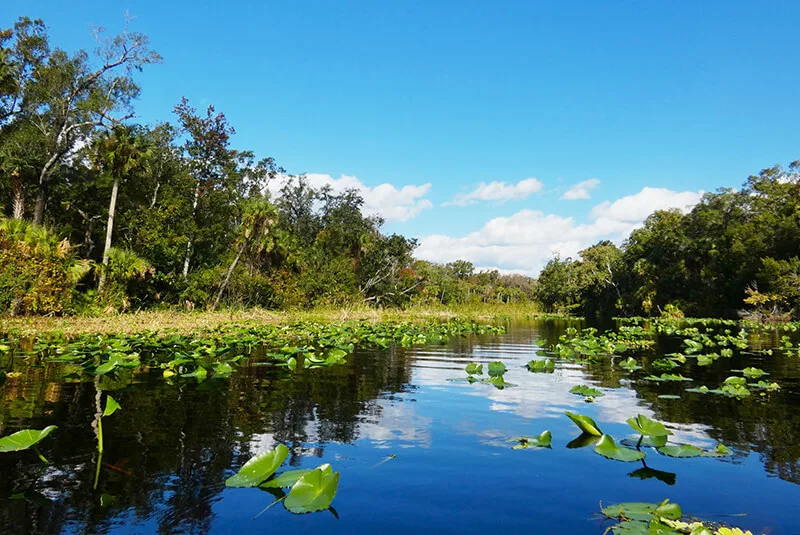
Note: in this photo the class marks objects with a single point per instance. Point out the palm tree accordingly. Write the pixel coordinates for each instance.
(257, 220)
(117, 153)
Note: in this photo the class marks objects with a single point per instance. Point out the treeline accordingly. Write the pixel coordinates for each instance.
(101, 213)
(735, 253)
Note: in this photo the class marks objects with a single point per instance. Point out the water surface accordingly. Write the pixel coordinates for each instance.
(169, 451)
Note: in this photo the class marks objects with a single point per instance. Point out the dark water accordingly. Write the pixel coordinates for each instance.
(171, 448)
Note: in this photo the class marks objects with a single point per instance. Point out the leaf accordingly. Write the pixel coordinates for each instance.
(643, 511)
(753, 373)
(111, 406)
(609, 449)
(584, 423)
(200, 374)
(630, 364)
(542, 441)
(314, 491)
(474, 368)
(645, 426)
(259, 468)
(686, 451)
(22, 440)
(496, 369)
(285, 479)
(667, 377)
(106, 367)
(648, 442)
(541, 365)
(498, 382)
(583, 390)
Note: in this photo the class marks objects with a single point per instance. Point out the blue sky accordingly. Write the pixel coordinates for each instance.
(655, 101)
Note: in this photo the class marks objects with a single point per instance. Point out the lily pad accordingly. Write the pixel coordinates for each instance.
(609, 449)
(583, 390)
(586, 424)
(285, 479)
(645, 426)
(496, 368)
(630, 364)
(22, 440)
(667, 377)
(259, 468)
(314, 491)
(474, 368)
(541, 366)
(688, 451)
(542, 441)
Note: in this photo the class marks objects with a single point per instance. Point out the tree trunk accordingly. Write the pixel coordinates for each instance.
(189, 241)
(228, 276)
(18, 200)
(41, 202)
(112, 206)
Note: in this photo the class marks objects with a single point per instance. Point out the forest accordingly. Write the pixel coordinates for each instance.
(102, 214)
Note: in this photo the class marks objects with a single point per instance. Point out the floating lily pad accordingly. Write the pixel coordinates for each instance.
(314, 491)
(609, 449)
(667, 377)
(630, 364)
(668, 396)
(541, 366)
(523, 442)
(496, 369)
(474, 368)
(259, 468)
(688, 451)
(285, 479)
(583, 390)
(650, 442)
(586, 424)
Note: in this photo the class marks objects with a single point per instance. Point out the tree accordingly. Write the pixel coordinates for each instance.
(66, 98)
(116, 154)
(258, 219)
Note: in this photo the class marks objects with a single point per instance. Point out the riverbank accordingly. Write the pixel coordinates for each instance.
(176, 321)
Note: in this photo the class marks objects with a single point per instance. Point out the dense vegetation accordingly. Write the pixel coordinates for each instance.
(736, 251)
(104, 214)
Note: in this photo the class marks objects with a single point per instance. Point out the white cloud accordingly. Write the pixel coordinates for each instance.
(386, 200)
(498, 191)
(525, 241)
(581, 190)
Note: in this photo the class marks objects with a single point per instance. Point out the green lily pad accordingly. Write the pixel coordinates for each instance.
(609, 449)
(474, 368)
(649, 442)
(496, 369)
(668, 396)
(643, 511)
(542, 441)
(645, 426)
(586, 424)
(630, 364)
(667, 377)
(583, 390)
(314, 491)
(285, 479)
(541, 366)
(685, 451)
(259, 468)
(22, 440)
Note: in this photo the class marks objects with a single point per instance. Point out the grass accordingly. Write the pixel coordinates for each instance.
(185, 322)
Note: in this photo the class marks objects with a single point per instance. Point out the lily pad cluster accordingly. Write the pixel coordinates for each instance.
(665, 518)
(495, 371)
(310, 490)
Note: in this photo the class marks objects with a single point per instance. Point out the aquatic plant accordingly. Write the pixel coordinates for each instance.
(26, 439)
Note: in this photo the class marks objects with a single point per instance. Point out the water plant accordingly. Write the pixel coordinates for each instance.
(26, 439)
(639, 518)
(311, 489)
(524, 442)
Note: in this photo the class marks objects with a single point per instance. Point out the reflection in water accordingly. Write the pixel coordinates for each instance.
(170, 449)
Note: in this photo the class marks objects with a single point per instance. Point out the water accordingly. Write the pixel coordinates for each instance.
(169, 451)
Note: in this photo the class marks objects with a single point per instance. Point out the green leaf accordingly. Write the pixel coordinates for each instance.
(259, 468)
(496, 369)
(474, 368)
(542, 441)
(285, 479)
(106, 367)
(22, 440)
(111, 406)
(586, 424)
(314, 491)
(630, 364)
(583, 390)
(645, 426)
(541, 365)
(753, 373)
(685, 451)
(609, 449)
(200, 374)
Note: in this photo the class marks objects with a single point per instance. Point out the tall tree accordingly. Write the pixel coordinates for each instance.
(116, 154)
(67, 97)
